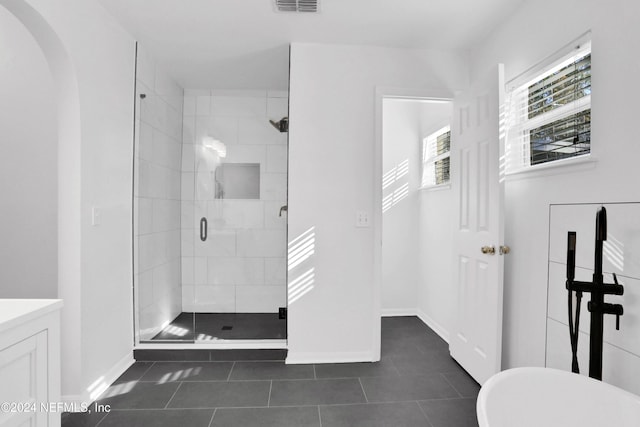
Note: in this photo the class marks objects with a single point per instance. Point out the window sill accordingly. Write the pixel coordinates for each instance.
(438, 187)
(559, 166)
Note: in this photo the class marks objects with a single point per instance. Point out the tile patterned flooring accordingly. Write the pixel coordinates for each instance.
(214, 326)
(416, 383)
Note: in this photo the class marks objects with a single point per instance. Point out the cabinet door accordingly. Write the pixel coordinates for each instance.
(23, 375)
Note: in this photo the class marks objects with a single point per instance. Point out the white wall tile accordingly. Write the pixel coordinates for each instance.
(258, 130)
(144, 284)
(189, 106)
(175, 185)
(275, 271)
(273, 186)
(247, 154)
(203, 105)
(239, 93)
(187, 188)
(189, 130)
(188, 158)
(188, 219)
(145, 216)
(277, 94)
(224, 129)
(235, 106)
(145, 142)
(236, 271)
(277, 108)
(277, 158)
(261, 243)
(200, 270)
(260, 299)
(197, 92)
(188, 277)
(187, 240)
(218, 243)
(272, 217)
(211, 299)
(239, 214)
(622, 248)
(145, 252)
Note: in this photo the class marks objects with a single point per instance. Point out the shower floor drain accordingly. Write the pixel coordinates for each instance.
(227, 328)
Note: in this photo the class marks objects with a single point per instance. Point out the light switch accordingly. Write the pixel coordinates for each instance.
(362, 219)
(95, 216)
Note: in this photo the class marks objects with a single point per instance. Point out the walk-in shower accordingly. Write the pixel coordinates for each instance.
(210, 197)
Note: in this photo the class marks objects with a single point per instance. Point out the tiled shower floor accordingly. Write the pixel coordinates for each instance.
(216, 326)
(415, 384)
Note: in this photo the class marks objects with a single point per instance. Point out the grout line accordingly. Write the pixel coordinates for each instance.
(425, 414)
(230, 371)
(173, 395)
(102, 419)
(451, 384)
(270, 388)
(212, 416)
(363, 392)
(319, 416)
(146, 370)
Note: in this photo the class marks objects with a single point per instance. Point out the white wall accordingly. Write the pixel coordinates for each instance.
(92, 60)
(621, 348)
(157, 197)
(519, 45)
(416, 240)
(28, 166)
(331, 177)
(241, 267)
(401, 180)
(436, 296)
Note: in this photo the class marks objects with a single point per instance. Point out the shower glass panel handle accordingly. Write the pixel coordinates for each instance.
(203, 229)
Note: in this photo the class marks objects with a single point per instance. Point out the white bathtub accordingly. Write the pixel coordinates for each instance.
(543, 397)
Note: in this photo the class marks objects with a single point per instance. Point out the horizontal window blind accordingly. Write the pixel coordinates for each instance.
(549, 116)
(436, 151)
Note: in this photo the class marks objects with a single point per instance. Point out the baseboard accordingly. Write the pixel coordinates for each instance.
(393, 312)
(294, 358)
(435, 326)
(94, 390)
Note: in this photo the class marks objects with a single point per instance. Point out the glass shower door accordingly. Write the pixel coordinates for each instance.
(158, 261)
(240, 190)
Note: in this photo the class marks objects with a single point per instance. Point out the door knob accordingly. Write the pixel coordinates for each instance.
(504, 249)
(488, 250)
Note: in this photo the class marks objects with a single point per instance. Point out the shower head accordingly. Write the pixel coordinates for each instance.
(282, 125)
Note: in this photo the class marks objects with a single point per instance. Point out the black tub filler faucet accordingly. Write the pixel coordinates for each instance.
(597, 307)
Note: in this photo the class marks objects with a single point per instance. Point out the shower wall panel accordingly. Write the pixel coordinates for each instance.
(157, 263)
(621, 348)
(241, 266)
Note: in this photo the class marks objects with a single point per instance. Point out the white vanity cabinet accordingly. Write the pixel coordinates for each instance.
(30, 363)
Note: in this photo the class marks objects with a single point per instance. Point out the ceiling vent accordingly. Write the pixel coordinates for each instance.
(296, 5)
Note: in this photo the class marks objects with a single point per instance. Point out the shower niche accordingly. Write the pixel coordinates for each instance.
(210, 179)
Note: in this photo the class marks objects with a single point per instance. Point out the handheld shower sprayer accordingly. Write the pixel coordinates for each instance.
(574, 322)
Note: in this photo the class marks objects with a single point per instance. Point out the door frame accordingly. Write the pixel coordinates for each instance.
(381, 93)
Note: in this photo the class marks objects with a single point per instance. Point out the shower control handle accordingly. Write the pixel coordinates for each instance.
(488, 250)
(203, 229)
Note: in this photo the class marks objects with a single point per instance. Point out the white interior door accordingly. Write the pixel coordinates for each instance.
(476, 341)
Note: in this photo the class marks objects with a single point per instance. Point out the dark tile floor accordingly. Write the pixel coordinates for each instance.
(415, 384)
(227, 326)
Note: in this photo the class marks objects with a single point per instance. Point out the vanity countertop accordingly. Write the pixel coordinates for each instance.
(14, 312)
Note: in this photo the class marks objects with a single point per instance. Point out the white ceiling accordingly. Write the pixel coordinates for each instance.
(243, 44)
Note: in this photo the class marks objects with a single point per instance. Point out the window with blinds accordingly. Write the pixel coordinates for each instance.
(436, 154)
(549, 114)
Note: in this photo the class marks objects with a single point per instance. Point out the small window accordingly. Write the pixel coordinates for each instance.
(549, 111)
(436, 154)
